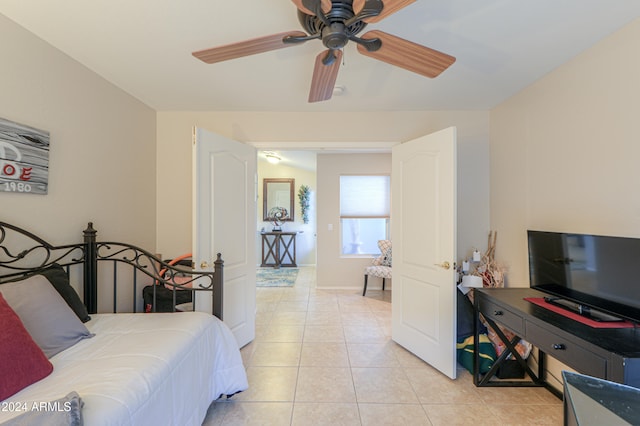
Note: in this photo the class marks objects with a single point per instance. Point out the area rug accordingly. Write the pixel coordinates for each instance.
(270, 277)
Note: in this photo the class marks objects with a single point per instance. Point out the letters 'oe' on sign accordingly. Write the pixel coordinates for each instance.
(24, 158)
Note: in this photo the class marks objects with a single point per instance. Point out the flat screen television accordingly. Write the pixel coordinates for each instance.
(593, 275)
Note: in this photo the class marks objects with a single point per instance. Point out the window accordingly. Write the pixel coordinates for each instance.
(364, 213)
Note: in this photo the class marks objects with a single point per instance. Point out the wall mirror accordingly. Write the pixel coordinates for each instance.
(277, 194)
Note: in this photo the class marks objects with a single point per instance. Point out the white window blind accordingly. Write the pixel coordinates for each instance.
(365, 196)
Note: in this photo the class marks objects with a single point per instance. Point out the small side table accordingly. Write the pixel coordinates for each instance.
(279, 249)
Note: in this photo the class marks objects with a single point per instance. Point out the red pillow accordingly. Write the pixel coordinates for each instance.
(23, 362)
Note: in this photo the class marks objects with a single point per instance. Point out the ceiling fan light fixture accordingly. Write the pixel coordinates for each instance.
(339, 90)
(272, 157)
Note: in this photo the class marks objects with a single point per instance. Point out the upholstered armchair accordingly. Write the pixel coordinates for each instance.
(381, 265)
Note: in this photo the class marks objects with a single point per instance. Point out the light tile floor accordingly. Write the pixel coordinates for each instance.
(324, 357)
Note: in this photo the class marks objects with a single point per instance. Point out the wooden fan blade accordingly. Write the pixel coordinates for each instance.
(245, 48)
(326, 6)
(390, 7)
(408, 55)
(324, 77)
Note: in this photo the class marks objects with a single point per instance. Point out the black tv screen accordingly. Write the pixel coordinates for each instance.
(592, 271)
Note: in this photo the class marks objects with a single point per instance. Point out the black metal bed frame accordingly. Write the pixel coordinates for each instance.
(23, 253)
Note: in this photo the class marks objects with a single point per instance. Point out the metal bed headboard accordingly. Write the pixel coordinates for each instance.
(23, 253)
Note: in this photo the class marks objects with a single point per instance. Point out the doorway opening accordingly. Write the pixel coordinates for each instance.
(286, 217)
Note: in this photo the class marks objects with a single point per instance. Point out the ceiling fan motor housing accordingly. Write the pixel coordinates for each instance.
(337, 34)
(341, 10)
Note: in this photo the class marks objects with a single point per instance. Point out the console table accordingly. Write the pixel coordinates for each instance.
(607, 353)
(279, 249)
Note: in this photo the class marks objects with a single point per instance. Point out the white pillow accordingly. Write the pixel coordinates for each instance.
(49, 320)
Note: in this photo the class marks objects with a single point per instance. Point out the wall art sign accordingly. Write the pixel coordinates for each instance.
(24, 158)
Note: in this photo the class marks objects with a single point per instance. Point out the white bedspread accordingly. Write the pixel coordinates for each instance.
(145, 369)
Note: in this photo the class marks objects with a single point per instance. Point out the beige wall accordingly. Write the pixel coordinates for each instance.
(308, 129)
(334, 269)
(565, 152)
(564, 155)
(102, 161)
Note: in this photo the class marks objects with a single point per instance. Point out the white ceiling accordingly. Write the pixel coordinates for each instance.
(302, 159)
(144, 47)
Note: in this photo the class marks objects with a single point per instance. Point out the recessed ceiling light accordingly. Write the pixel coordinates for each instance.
(272, 157)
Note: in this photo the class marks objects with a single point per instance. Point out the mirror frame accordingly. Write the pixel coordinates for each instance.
(265, 198)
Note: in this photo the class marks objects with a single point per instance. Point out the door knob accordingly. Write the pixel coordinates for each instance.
(445, 265)
(204, 264)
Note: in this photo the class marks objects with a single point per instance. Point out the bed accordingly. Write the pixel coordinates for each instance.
(117, 367)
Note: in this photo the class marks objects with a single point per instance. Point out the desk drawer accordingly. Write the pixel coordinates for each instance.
(573, 355)
(499, 314)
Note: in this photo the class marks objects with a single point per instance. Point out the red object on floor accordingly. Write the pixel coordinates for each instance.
(591, 323)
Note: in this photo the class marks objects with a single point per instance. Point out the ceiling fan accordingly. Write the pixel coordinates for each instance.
(335, 23)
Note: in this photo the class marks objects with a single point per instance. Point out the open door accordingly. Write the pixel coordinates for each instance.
(423, 212)
(225, 222)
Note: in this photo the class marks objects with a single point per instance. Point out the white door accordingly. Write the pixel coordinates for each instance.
(224, 222)
(423, 212)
